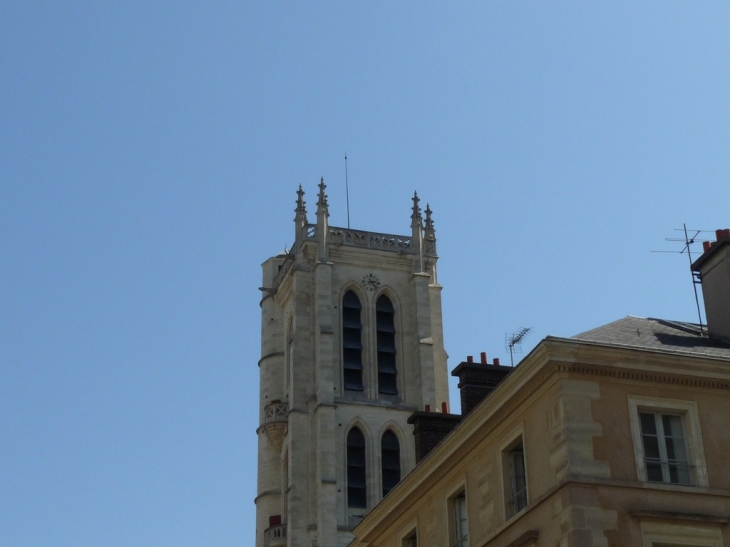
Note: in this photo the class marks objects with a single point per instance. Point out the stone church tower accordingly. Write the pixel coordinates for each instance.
(351, 346)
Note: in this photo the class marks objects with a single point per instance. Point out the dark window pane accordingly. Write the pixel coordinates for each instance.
(386, 362)
(391, 460)
(356, 498)
(350, 300)
(351, 342)
(648, 423)
(386, 343)
(651, 447)
(353, 380)
(385, 324)
(384, 304)
(654, 472)
(387, 384)
(351, 338)
(390, 441)
(355, 438)
(355, 456)
(352, 359)
(356, 477)
(390, 457)
(351, 318)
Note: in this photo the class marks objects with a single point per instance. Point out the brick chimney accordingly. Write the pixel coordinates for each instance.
(477, 380)
(713, 269)
(430, 428)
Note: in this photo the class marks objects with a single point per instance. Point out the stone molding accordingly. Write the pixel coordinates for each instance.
(674, 517)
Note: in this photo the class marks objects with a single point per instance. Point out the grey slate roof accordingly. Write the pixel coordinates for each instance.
(657, 334)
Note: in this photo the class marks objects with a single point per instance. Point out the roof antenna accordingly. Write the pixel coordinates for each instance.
(513, 342)
(695, 281)
(347, 194)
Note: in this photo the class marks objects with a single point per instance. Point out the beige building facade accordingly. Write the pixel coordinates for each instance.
(351, 346)
(616, 437)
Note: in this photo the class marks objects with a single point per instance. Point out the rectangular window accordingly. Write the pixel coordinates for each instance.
(515, 477)
(669, 534)
(667, 441)
(411, 540)
(665, 452)
(518, 480)
(459, 534)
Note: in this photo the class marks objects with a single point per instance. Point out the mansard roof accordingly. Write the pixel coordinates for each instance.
(657, 334)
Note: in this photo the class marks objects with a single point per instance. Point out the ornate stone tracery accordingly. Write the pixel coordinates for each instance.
(276, 416)
(368, 240)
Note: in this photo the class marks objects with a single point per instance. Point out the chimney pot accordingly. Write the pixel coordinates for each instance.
(496, 361)
(706, 245)
(445, 408)
(484, 357)
(718, 235)
(469, 358)
(428, 408)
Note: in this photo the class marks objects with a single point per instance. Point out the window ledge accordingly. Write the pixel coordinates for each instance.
(360, 401)
(689, 488)
(672, 516)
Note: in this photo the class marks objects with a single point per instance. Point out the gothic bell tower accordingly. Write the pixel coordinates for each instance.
(351, 345)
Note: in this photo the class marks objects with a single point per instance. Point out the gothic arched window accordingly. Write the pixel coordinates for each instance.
(356, 478)
(390, 460)
(385, 324)
(351, 342)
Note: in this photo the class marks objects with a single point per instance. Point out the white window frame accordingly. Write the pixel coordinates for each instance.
(514, 439)
(664, 534)
(458, 519)
(688, 412)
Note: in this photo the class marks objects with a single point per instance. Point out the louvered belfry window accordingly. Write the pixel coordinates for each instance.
(356, 477)
(390, 460)
(385, 324)
(352, 342)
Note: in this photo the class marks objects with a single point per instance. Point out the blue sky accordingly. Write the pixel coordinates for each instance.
(149, 158)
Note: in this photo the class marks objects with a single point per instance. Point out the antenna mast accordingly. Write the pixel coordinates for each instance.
(688, 241)
(694, 282)
(513, 342)
(347, 194)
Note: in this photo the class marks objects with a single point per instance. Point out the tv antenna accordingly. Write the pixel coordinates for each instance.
(688, 241)
(513, 342)
(347, 194)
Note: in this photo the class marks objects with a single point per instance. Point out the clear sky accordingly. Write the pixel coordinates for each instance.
(149, 158)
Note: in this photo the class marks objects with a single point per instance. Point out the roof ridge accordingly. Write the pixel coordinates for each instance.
(689, 328)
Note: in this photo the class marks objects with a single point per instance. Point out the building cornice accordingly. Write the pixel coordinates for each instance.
(551, 360)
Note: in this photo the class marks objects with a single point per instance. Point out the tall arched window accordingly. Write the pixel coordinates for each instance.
(385, 324)
(351, 342)
(356, 479)
(390, 460)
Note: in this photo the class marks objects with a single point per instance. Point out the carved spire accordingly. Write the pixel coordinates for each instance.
(429, 224)
(322, 223)
(416, 214)
(322, 207)
(429, 236)
(300, 219)
(417, 234)
(301, 209)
